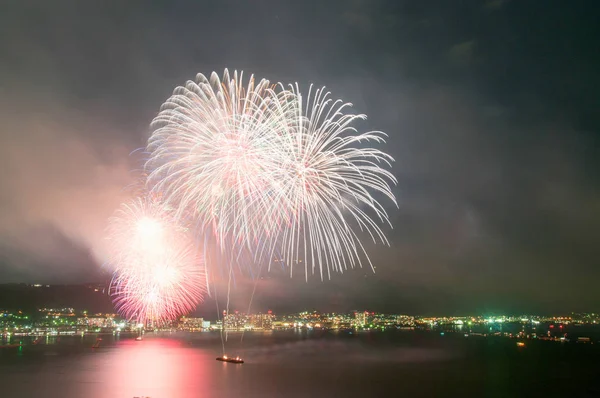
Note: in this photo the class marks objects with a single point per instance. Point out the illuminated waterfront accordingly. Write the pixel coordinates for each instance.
(295, 363)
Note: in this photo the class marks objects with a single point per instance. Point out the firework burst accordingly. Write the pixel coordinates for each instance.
(158, 274)
(326, 184)
(266, 168)
(214, 154)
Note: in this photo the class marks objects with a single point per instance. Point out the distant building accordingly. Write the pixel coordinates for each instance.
(235, 321)
(360, 318)
(405, 320)
(239, 321)
(261, 321)
(97, 322)
(192, 324)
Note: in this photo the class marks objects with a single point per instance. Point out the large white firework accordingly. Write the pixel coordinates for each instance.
(214, 154)
(263, 166)
(158, 274)
(326, 185)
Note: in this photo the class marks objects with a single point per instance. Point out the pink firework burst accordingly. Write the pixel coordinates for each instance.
(158, 274)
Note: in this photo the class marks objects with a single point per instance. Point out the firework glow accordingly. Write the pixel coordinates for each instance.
(215, 151)
(259, 165)
(158, 274)
(326, 184)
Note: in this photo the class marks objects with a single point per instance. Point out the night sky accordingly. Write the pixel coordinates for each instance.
(491, 109)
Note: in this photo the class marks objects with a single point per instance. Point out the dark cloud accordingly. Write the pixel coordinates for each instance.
(491, 108)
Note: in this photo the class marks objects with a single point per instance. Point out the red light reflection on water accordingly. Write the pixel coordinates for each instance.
(160, 368)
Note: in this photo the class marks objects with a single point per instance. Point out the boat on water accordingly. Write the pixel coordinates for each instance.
(225, 358)
(139, 338)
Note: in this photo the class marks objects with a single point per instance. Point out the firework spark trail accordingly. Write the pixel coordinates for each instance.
(213, 153)
(326, 184)
(158, 274)
(267, 169)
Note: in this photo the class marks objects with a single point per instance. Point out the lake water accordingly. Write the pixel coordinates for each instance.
(299, 364)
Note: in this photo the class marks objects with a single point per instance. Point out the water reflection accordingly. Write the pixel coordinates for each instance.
(278, 365)
(158, 368)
